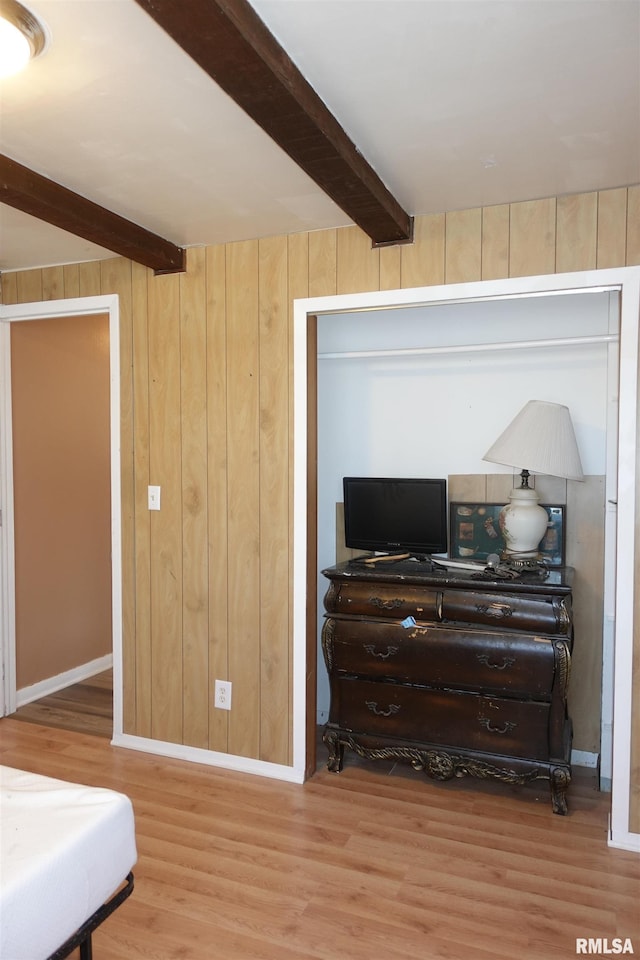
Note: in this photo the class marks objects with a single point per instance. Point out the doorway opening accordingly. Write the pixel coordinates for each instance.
(73, 554)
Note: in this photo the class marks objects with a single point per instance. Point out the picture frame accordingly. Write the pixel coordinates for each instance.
(474, 532)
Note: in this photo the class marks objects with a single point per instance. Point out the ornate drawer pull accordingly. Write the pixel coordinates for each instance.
(564, 617)
(385, 604)
(506, 661)
(391, 651)
(497, 610)
(373, 706)
(507, 726)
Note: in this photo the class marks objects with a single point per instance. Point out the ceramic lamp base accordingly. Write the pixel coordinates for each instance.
(523, 523)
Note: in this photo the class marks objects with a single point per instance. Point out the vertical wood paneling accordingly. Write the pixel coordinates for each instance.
(463, 246)
(576, 236)
(243, 439)
(89, 278)
(71, 280)
(469, 488)
(612, 228)
(422, 262)
(116, 278)
(633, 226)
(166, 524)
(532, 248)
(358, 264)
(140, 278)
(29, 286)
(53, 283)
(298, 268)
(217, 488)
(195, 570)
(274, 499)
(495, 242)
(323, 263)
(9, 287)
(390, 267)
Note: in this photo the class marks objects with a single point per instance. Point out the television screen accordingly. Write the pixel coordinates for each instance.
(395, 515)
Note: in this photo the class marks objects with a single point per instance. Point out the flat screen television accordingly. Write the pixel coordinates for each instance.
(386, 515)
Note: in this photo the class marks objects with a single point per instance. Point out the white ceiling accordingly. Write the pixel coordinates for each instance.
(454, 103)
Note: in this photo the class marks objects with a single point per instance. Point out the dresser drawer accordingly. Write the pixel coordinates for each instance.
(369, 598)
(441, 656)
(442, 717)
(379, 599)
(550, 615)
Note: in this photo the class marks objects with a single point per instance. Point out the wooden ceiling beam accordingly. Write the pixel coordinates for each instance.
(234, 47)
(42, 198)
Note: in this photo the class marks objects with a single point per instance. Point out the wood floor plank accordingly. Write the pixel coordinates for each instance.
(372, 864)
(86, 707)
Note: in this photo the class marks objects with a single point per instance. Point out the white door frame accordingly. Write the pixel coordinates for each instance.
(626, 281)
(50, 309)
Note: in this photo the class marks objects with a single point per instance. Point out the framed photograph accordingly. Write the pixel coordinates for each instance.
(474, 532)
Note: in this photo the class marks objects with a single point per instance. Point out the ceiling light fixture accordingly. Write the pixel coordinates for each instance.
(22, 37)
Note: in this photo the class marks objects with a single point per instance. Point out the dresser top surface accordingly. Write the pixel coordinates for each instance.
(557, 581)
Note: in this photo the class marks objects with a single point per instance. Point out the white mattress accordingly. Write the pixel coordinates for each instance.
(64, 849)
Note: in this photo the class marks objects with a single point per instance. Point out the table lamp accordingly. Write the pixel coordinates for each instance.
(541, 436)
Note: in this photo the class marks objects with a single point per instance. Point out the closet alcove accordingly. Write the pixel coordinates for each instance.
(419, 383)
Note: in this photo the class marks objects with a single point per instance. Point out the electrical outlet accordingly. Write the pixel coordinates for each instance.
(222, 698)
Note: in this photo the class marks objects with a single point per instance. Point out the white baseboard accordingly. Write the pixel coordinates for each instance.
(52, 684)
(227, 761)
(623, 840)
(580, 758)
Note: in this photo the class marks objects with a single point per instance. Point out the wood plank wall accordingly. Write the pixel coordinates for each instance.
(206, 368)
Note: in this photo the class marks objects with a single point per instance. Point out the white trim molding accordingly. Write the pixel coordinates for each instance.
(44, 688)
(212, 758)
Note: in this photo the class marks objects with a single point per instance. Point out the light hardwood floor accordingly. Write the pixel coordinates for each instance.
(375, 863)
(86, 707)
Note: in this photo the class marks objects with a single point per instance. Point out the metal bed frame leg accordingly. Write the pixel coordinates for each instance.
(82, 937)
(86, 950)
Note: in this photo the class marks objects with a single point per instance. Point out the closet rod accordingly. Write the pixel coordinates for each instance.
(472, 347)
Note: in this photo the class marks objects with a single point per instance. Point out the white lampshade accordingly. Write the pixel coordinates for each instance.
(540, 438)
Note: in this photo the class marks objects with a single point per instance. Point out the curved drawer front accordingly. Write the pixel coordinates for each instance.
(442, 717)
(547, 614)
(371, 599)
(550, 615)
(441, 656)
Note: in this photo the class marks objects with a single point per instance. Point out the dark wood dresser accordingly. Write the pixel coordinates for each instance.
(456, 675)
